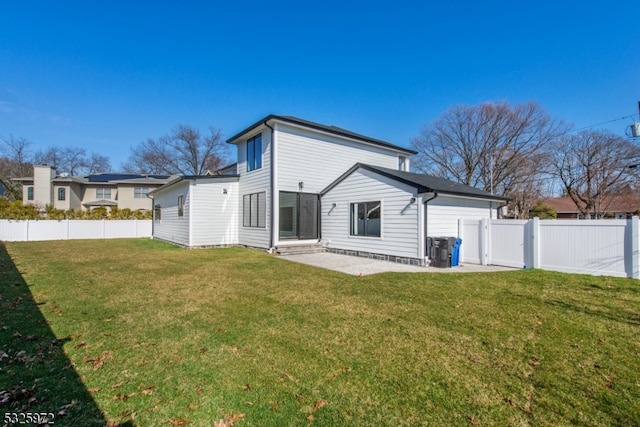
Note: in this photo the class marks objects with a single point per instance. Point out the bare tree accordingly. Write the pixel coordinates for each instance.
(496, 147)
(98, 163)
(185, 151)
(14, 163)
(592, 166)
(72, 160)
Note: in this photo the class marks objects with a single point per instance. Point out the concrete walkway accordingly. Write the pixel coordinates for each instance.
(364, 266)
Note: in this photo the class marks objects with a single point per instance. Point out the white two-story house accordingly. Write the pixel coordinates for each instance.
(298, 182)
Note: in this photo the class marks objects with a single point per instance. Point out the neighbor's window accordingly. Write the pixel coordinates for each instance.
(62, 194)
(29, 193)
(365, 219)
(254, 212)
(103, 193)
(254, 153)
(180, 205)
(157, 213)
(140, 192)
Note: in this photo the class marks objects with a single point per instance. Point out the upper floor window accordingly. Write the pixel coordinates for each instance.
(254, 153)
(402, 163)
(29, 193)
(140, 192)
(103, 193)
(62, 194)
(181, 205)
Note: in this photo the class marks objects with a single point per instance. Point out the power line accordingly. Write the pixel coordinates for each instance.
(603, 123)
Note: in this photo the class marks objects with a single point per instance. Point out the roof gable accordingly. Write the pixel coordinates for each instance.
(422, 182)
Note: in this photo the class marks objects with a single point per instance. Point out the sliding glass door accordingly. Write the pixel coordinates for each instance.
(299, 215)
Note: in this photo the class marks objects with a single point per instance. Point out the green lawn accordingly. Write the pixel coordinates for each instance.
(138, 332)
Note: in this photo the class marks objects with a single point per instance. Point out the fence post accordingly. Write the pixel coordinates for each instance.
(485, 237)
(634, 248)
(460, 226)
(535, 242)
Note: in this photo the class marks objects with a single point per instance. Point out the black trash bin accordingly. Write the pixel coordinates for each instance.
(441, 251)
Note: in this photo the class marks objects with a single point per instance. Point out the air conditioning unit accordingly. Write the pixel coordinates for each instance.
(635, 130)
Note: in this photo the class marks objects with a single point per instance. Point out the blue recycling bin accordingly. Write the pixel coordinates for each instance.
(455, 253)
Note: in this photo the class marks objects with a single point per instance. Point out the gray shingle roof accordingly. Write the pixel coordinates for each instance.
(325, 128)
(422, 182)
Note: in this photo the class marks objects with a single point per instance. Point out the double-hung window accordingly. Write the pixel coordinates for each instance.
(254, 153)
(29, 193)
(62, 194)
(103, 193)
(140, 192)
(365, 219)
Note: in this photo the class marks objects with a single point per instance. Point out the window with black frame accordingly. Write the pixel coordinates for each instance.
(254, 153)
(365, 218)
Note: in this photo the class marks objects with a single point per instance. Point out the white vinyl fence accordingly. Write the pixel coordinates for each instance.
(66, 229)
(598, 247)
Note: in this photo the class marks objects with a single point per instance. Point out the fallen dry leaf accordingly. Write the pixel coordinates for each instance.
(319, 404)
(98, 362)
(178, 421)
(148, 391)
(63, 411)
(311, 418)
(290, 377)
(93, 389)
(228, 420)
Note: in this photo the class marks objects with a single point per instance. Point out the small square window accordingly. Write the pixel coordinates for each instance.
(365, 219)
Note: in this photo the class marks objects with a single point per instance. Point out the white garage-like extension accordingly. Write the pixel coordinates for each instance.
(388, 214)
(197, 211)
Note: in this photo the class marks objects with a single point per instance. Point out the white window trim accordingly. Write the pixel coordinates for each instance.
(363, 200)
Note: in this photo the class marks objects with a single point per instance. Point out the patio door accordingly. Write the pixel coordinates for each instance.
(299, 215)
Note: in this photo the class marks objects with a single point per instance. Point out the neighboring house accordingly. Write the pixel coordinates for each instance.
(64, 192)
(620, 206)
(298, 183)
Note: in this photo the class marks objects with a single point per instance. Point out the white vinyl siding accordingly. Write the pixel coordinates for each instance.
(317, 159)
(255, 181)
(214, 214)
(399, 225)
(171, 227)
(444, 211)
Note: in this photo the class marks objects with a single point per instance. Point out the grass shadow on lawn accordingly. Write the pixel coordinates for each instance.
(35, 374)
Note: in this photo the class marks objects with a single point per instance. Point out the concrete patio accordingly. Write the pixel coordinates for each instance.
(365, 266)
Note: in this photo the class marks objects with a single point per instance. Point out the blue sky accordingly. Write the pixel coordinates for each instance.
(107, 75)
